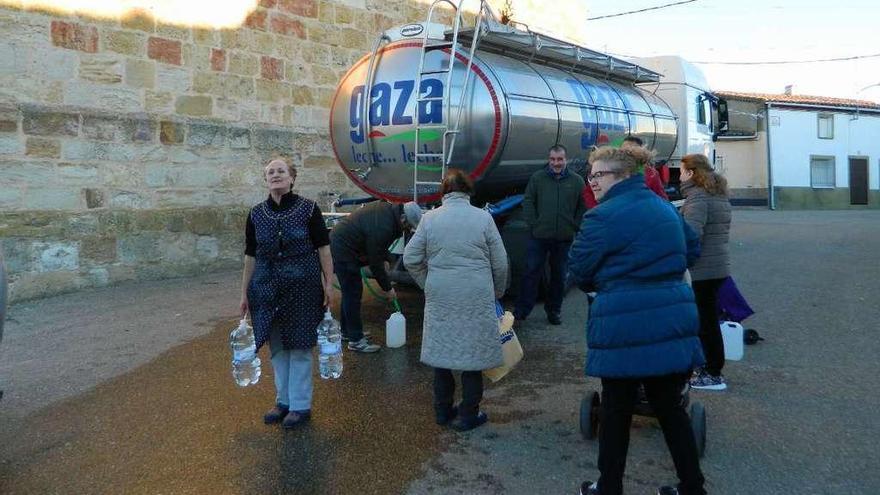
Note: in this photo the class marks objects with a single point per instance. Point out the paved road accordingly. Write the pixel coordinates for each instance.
(127, 390)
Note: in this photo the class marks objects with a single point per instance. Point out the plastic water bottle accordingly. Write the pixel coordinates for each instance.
(245, 362)
(330, 342)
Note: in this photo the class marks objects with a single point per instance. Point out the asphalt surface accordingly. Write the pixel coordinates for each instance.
(128, 390)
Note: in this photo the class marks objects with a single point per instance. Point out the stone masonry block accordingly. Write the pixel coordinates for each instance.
(204, 36)
(288, 26)
(268, 4)
(8, 126)
(173, 32)
(29, 173)
(171, 132)
(10, 198)
(173, 79)
(206, 135)
(353, 38)
(56, 256)
(101, 128)
(103, 69)
(303, 95)
(129, 199)
(125, 43)
(43, 123)
(304, 8)
(138, 247)
(218, 59)
(256, 20)
(10, 144)
(164, 50)
(324, 76)
(243, 63)
(54, 64)
(274, 140)
(110, 98)
(326, 12)
(197, 106)
(94, 198)
(239, 138)
(271, 68)
(207, 247)
(273, 91)
(72, 174)
(75, 36)
(263, 43)
(158, 101)
(52, 198)
(39, 147)
(140, 73)
(344, 15)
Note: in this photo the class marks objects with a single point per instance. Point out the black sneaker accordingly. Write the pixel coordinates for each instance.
(467, 424)
(443, 418)
(667, 490)
(275, 415)
(702, 380)
(554, 319)
(589, 488)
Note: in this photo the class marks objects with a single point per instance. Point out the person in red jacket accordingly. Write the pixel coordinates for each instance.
(652, 177)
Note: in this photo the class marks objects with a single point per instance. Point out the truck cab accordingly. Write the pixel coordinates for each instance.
(702, 116)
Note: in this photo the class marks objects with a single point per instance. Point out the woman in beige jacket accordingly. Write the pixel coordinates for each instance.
(457, 257)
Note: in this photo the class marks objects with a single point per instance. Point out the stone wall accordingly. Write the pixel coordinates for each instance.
(131, 148)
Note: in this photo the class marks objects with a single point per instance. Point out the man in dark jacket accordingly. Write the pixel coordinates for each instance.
(552, 208)
(363, 239)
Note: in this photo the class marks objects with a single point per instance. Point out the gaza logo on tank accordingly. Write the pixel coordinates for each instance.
(390, 106)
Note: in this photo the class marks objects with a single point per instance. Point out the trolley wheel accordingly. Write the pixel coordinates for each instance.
(590, 415)
(698, 425)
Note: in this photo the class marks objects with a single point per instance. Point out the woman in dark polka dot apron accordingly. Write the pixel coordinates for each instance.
(287, 282)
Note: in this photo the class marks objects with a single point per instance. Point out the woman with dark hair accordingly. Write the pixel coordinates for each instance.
(286, 284)
(457, 257)
(632, 250)
(707, 210)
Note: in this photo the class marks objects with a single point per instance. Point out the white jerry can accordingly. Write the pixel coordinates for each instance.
(732, 334)
(395, 330)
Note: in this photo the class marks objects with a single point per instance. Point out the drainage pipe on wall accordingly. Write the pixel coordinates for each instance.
(772, 193)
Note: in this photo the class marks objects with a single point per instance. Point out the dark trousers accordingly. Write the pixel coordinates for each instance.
(706, 293)
(664, 395)
(471, 392)
(352, 287)
(536, 256)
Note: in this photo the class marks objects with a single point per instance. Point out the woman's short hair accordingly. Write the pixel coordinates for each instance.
(290, 168)
(625, 161)
(457, 181)
(704, 175)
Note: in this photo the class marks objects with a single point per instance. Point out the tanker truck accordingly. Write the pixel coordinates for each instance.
(491, 99)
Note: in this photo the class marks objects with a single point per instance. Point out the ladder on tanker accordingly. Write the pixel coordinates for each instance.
(449, 132)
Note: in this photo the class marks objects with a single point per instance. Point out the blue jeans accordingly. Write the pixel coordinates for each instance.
(293, 378)
(536, 256)
(352, 288)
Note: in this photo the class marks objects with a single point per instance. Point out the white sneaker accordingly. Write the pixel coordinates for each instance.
(364, 346)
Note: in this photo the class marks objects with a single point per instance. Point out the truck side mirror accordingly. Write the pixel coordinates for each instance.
(723, 117)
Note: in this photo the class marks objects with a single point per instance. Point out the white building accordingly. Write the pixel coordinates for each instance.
(796, 151)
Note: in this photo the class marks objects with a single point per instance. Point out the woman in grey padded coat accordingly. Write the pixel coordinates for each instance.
(707, 210)
(457, 257)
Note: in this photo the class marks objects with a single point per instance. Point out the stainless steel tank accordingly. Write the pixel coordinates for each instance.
(514, 111)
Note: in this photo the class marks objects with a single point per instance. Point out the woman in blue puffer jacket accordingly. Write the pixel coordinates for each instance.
(632, 250)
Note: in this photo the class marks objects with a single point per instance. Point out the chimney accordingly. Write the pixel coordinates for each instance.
(788, 89)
